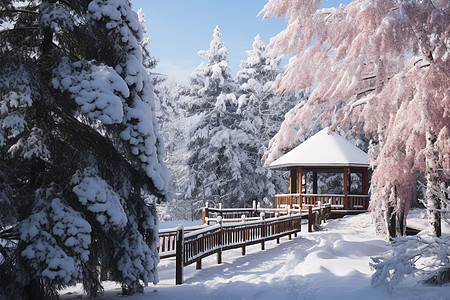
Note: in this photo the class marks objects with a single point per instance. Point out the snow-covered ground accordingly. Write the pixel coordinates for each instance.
(330, 264)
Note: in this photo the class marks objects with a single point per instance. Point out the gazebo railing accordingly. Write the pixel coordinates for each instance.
(355, 202)
(359, 201)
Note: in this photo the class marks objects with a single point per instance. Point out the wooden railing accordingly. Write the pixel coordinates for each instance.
(167, 240)
(355, 202)
(209, 214)
(359, 202)
(191, 247)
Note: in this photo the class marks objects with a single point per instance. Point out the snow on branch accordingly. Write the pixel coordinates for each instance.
(99, 198)
(427, 257)
(96, 89)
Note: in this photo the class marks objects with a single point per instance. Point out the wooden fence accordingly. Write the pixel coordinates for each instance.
(209, 214)
(167, 240)
(338, 202)
(191, 246)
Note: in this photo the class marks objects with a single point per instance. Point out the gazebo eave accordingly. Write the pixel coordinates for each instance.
(319, 165)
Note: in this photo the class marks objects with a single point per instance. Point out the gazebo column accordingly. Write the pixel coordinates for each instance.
(365, 181)
(299, 186)
(365, 185)
(349, 182)
(314, 181)
(346, 206)
(292, 183)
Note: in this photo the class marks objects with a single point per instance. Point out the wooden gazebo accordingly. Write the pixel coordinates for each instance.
(329, 169)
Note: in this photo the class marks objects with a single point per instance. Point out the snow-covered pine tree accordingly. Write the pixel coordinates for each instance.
(165, 106)
(219, 156)
(262, 111)
(211, 78)
(79, 149)
(173, 128)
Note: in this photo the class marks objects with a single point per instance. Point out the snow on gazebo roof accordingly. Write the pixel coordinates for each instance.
(323, 150)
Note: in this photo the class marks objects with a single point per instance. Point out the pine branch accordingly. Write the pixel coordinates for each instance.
(103, 148)
(11, 233)
(22, 28)
(19, 11)
(68, 4)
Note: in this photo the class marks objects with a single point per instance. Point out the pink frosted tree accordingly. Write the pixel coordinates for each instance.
(381, 67)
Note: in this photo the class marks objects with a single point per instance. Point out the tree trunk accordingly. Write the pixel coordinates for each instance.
(393, 215)
(391, 221)
(432, 176)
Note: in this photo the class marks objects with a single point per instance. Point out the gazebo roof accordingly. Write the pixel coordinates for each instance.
(323, 150)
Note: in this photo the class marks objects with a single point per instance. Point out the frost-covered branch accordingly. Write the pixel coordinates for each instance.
(427, 257)
(9, 10)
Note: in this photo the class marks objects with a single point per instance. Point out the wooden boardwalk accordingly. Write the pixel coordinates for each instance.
(192, 244)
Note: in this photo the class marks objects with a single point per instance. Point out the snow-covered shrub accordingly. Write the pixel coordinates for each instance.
(425, 256)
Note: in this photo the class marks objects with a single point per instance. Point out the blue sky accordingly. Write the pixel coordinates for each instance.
(178, 29)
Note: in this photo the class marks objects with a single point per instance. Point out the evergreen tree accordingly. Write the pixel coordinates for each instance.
(174, 128)
(262, 111)
(212, 78)
(79, 149)
(218, 158)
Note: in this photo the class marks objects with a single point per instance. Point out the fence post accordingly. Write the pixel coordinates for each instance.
(198, 264)
(255, 207)
(205, 213)
(219, 252)
(290, 221)
(263, 230)
(244, 234)
(310, 218)
(277, 230)
(179, 256)
(319, 203)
